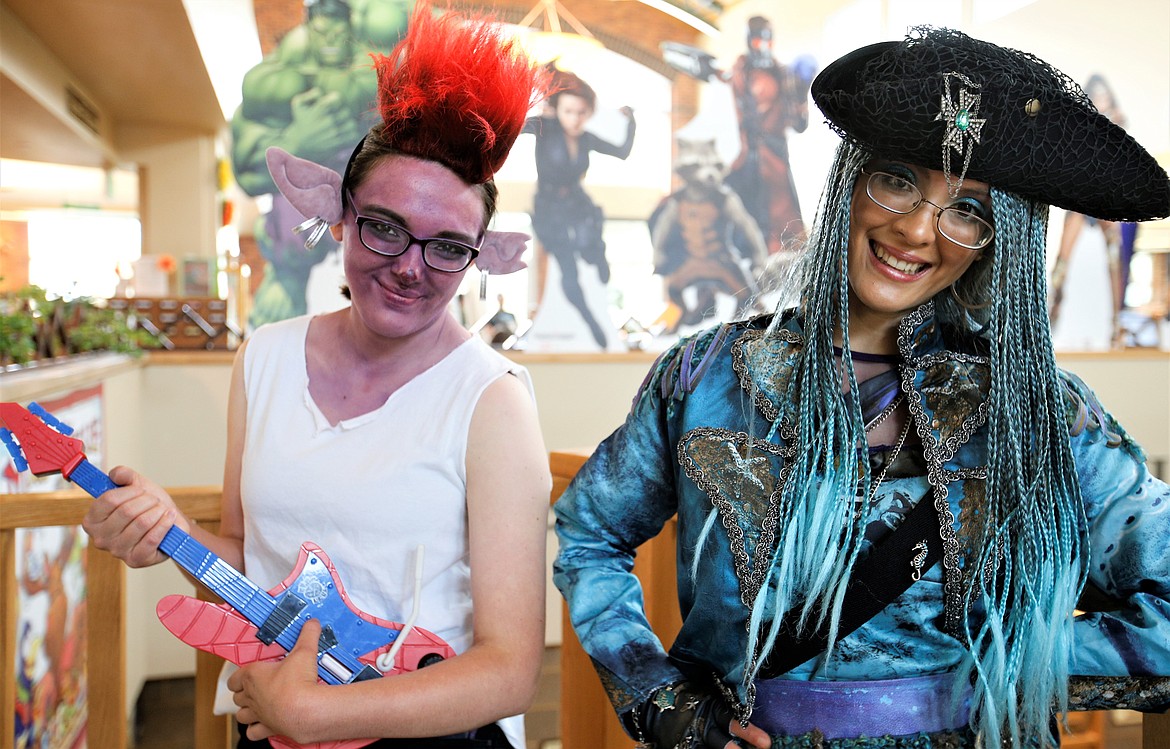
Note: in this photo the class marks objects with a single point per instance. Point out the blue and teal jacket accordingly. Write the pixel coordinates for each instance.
(681, 452)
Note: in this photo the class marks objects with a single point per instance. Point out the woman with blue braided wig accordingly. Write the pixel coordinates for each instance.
(899, 524)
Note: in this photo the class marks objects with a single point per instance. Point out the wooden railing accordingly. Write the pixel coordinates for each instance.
(106, 619)
(587, 721)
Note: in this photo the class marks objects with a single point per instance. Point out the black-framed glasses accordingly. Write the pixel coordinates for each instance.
(958, 221)
(390, 239)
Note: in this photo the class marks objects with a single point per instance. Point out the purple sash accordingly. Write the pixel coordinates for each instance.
(851, 709)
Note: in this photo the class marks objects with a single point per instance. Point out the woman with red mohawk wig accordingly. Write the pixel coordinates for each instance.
(386, 426)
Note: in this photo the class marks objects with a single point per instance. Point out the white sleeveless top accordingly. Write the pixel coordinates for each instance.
(370, 489)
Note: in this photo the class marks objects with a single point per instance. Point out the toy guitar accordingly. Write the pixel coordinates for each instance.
(254, 625)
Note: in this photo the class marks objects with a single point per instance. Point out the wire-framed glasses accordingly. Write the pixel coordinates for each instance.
(959, 222)
(387, 238)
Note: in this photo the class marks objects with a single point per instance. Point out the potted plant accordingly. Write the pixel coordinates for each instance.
(18, 325)
(34, 328)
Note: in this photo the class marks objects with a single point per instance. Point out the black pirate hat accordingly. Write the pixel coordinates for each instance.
(970, 108)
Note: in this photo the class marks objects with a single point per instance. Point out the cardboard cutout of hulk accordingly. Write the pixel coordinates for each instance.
(312, 96)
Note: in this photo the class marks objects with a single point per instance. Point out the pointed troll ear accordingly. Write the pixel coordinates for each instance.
(500, 252)
(314, 190)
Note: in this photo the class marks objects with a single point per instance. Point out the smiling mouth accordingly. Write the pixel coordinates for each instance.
(902, 266)
(401, 293)
(407, 296)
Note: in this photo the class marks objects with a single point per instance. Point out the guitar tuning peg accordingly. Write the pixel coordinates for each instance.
(37, 410)
(13, 448)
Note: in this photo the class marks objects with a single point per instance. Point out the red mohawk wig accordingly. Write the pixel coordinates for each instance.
(457, 92)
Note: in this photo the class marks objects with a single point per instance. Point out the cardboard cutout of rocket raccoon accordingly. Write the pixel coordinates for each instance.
(706, 244)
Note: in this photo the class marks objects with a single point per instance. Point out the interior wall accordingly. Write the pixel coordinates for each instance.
(169, 422)
(13, 255)
(177, 196)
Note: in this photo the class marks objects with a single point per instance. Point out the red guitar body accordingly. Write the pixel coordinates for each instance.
(221, 630)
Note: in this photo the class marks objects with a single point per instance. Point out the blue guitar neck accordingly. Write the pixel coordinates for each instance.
(200, 562)
(41, 443)
(278, 620)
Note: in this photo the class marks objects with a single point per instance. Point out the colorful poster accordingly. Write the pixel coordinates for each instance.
(735, 223)
(1091, 269)
(568, 223)
(313, 95)
(51, 681)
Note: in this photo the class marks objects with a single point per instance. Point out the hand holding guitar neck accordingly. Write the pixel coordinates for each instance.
(131, 520)
(254, 624)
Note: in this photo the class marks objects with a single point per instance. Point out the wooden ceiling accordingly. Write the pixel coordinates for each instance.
(139, 64)
(136, 59)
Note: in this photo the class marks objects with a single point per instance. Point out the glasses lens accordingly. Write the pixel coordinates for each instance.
(384, 238)
(958, 223)
(892, 192)
(390, 239)
(961, 226)
(448, 256)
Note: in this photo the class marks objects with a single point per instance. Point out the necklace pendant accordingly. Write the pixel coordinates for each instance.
(918, 561)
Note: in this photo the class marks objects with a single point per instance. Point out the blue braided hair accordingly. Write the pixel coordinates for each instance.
(1034, 549)
(817, 508)
(1031, 548)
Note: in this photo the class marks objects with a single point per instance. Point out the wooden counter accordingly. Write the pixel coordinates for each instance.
(30, 383)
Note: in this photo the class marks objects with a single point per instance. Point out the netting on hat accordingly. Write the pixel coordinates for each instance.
(994, 114)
